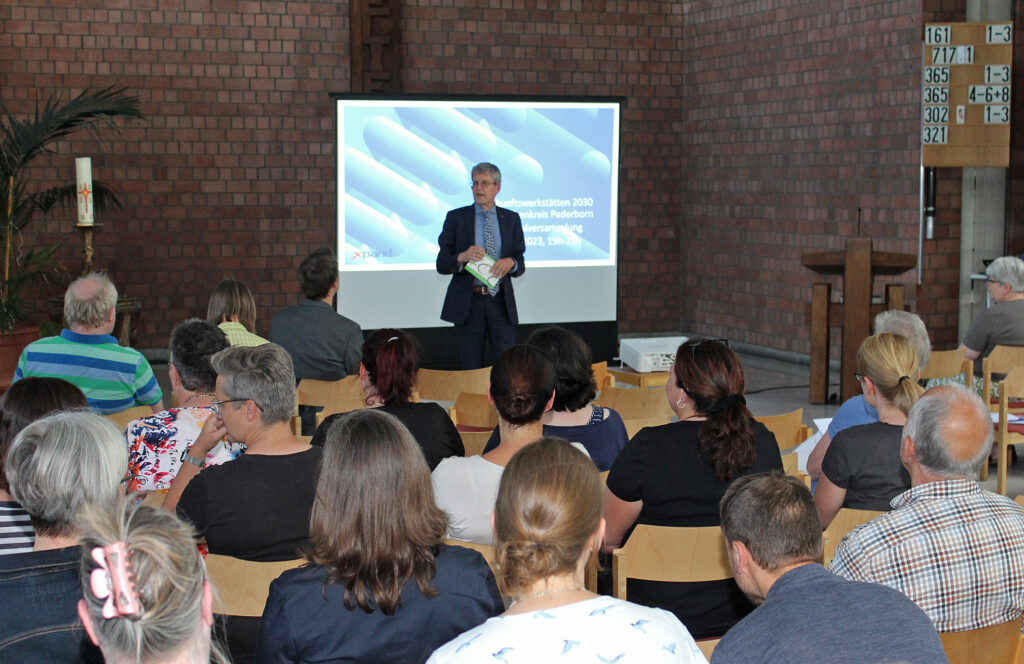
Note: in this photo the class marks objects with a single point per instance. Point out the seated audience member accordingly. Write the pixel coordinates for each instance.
(146, 594)
(805, 612)
(156, 442)
(323, 344)
(856, 410)
(388, 374)
(547, 523)
(675, 474)
(380, 586)
(25, 402)
(256, 507)
(1002, 323)
(522, 389)
(862, 467)
(573, 416)
(55, 467)
(952, 547)
(112, 377)
(232, 308)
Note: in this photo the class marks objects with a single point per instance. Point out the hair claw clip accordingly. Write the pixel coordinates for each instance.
(112, 581)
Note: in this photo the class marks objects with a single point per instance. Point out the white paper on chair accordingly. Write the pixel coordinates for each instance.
(1010, 417)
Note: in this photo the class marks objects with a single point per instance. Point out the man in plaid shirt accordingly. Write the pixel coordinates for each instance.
(952, 547)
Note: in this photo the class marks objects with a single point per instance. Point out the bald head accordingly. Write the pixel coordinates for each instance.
(951, 431)
(88, 301)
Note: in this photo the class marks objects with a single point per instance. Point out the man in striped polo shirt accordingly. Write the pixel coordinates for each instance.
(113, 378)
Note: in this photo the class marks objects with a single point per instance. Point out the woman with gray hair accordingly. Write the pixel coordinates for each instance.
(1002, 323)
(55, 467)
(256, 507)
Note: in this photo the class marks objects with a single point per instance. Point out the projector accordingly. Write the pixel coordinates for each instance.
(650, 353)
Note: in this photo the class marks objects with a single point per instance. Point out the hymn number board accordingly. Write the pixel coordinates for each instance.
(965, 94)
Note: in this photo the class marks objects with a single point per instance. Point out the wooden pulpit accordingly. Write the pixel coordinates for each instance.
(858, 265)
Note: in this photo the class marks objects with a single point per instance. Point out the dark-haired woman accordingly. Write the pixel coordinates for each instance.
(25, 402)
(573, 416)
(675, 475)
(232, 308)
(522, 390)
(380, 586)
(388, 374)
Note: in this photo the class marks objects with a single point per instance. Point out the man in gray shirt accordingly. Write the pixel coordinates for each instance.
(323, 344)
(806, 613)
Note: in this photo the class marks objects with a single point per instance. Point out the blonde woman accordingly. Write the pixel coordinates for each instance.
(163, 608)
(547, 523)
(862, 467)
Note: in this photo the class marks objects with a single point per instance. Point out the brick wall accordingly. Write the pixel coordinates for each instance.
(749, 136)
(232, 172)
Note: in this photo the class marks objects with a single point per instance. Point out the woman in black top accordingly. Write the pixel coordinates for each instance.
(675, 475)
(388, 373)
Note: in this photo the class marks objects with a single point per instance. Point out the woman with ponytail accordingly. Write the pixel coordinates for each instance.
(675, 475)
(522, 389)
(862, 467)
(547, 524)
(388, 374)
(146, 594)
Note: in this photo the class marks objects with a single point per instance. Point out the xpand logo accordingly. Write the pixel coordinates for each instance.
(372, 253)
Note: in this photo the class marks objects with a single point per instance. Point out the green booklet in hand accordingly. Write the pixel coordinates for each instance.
(481, 269)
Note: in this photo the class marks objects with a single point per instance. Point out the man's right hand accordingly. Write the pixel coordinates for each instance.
(474, 253)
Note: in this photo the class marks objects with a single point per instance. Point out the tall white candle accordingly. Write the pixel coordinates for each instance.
(83, 173)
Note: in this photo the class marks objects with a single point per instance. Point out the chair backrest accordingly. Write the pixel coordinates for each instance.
(242, 586)
(1012, 384)
(634, 425)
(1000, 361)
(845, 520)
(633, 403)
(473, 411)
(1019, 500)
(122, 419)
(789, 428)
(660, 553)
(791, 466)
(707, 646)
(947, 364)
(486, 550)
(602, 377)
(435, 385)
(475, 441)
(334, 396)
(997, 644)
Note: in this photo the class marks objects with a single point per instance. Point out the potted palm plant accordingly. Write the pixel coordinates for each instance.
(23, 139)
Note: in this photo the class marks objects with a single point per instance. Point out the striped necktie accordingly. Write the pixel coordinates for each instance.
(490, 246)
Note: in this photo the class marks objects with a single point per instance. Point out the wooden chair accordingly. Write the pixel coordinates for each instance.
(602, 377)
(334, 396)
(475, 441)
(434, 385)
(791, 466)
(1007, 433)
(789, 428)
(947, 364)
(473, 412)
(1019, 500)
(659, 553)
(997, 644)
(634, 425)
(845, 520)
(707, 646)
(242, 586)
(634, 404)
(122, 419)
(486, 550)
(999, 361)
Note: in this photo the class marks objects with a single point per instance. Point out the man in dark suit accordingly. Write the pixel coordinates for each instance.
(479, 312)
